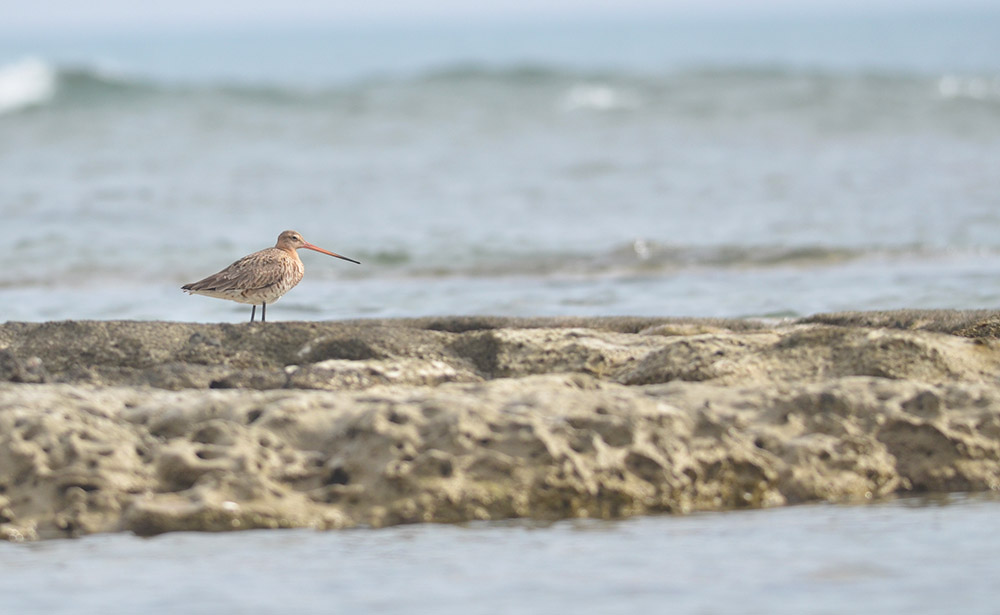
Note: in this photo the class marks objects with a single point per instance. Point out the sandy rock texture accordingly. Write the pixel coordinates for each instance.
(155, 427)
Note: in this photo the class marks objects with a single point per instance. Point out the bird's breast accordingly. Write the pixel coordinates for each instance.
(281, 277)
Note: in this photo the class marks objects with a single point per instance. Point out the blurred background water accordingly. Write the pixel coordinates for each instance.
(698, 164)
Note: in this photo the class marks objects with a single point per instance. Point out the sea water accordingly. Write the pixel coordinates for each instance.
(704, 166)
(915, 557)
(696, 167)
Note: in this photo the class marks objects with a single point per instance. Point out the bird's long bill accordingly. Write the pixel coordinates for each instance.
(306, 244)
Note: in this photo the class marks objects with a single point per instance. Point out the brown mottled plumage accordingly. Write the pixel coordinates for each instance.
(262, 277)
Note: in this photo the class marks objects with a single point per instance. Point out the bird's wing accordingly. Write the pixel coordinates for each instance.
(252, 272)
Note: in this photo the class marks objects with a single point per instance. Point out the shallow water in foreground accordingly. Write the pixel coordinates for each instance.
(906, 556)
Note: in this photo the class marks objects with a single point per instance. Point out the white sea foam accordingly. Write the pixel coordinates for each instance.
(25, 83)
(599, 98)
(975, 88)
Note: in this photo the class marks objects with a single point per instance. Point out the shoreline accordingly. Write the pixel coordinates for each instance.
(152, 427)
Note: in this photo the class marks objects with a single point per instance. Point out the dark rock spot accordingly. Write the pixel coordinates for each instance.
(340, 347)
(338, 476)
(482, 349)
(210, 434)
(209, 454)
(644, 467)
(925, 404)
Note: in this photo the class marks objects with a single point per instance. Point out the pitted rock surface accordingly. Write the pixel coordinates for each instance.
(157, 427)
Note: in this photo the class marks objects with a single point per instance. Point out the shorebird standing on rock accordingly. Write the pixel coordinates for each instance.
(262, 277)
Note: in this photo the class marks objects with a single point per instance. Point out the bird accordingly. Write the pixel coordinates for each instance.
(262, 277)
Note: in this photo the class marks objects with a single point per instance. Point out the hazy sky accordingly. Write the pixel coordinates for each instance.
(114, 14)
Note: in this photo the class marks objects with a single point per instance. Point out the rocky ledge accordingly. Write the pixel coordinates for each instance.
(154, 427)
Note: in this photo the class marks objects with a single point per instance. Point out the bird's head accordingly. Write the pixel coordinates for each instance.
(292, 241)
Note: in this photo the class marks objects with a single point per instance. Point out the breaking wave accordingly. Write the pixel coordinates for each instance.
(33, 82)
(978, 88)
(26, 83)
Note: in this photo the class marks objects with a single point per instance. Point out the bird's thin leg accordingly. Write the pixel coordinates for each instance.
(253, 312)
(263, 310)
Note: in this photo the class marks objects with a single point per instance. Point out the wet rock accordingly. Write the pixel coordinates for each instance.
(14, 369)
(156, 427)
